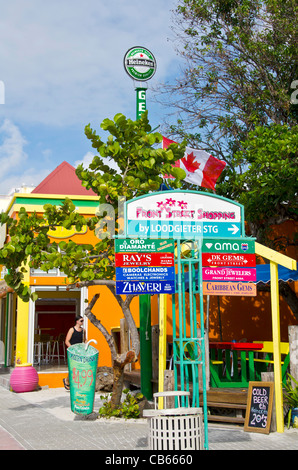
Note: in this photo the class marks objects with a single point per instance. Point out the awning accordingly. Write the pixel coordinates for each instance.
(263, 275)
(284, 274)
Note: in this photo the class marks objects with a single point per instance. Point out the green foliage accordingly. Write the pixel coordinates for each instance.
(291, 396)
(240, 62)
(133, 147)
(267, 186)
(234, 100)
(128, 409)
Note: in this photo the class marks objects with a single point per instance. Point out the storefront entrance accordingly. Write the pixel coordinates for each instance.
(50, 318)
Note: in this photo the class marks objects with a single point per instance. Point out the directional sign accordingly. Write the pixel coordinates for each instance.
(182, 228)
(145, 287)
(142, 245)
(240, 245)
(144, 266)
(144, 259)
(229, 288)
(229, 274)
(228, 259)
(183, 214)
(145, 273)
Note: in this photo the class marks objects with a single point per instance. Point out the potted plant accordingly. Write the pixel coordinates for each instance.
(291, 399)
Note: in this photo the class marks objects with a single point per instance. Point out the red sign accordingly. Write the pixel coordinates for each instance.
(229, 259)
(144, 259)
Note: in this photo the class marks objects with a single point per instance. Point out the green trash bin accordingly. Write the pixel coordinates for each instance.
(82, 366)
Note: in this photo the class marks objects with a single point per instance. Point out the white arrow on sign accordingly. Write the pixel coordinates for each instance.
(234, 229)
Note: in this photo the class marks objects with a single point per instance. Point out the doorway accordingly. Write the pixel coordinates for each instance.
(51, 316)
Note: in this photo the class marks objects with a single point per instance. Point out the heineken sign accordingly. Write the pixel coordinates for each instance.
(140, 63)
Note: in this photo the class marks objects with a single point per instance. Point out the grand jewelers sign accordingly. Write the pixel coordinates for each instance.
(183, 214)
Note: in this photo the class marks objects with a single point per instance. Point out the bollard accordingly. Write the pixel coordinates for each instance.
(82, 366)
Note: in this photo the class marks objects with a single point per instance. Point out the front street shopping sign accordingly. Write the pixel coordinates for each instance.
(185, 215)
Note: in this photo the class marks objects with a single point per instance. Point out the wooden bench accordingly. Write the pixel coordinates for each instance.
(234, 401)
(262, 363)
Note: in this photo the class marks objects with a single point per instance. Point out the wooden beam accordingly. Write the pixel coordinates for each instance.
(276, 257)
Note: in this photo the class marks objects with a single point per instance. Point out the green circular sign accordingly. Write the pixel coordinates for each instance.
(139, 63)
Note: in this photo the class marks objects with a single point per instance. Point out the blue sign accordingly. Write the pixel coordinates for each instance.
(145, 287)
(183, 229)
(145, 273)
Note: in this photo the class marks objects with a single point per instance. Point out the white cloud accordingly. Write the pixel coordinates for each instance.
(87, 159)
(15, 170)
(62, 67)
(62, 61)
(12, 152)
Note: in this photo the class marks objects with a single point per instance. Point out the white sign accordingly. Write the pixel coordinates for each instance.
(183, 214)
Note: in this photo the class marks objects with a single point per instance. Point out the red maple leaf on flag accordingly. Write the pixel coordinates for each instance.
(190, 163)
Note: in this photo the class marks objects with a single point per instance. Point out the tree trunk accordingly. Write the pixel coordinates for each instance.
(119, 361)
(118, 370)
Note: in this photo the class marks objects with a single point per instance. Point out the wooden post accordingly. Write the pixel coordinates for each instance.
(169, 386)
(275, 259)
(276, 346)
(124, 346)
(293, 345)
(269, 377)
(155, 338)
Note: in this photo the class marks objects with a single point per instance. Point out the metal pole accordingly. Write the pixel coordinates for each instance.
(144, 300)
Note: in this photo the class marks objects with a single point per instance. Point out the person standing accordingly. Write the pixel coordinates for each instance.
(76, 334)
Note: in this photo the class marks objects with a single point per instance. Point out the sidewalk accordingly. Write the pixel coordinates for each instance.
(43, 420)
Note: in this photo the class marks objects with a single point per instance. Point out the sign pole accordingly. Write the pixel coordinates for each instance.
(144, 300)
(140, 65)
(141, 101)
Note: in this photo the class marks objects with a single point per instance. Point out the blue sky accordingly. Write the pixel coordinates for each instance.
(61, 63)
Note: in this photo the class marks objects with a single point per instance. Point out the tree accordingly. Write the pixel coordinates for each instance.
(240, 62)
(268, 186)
(233, 99)
(132, 146)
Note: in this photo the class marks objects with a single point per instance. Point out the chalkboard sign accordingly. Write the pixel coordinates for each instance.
(259, 407)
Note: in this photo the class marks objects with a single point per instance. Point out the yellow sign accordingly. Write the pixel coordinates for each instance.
(62, 232)
(229, 288)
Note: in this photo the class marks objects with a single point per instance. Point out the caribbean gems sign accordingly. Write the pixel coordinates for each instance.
(140, 63)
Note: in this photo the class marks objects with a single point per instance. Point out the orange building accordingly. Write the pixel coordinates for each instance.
(27, 324)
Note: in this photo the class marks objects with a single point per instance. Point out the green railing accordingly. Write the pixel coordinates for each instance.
(188, 330)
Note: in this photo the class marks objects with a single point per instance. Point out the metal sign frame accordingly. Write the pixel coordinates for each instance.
(154, 216)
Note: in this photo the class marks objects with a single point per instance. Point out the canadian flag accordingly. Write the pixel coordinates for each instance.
(200, 167)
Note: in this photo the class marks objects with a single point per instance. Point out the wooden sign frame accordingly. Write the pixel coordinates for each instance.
(247, 424)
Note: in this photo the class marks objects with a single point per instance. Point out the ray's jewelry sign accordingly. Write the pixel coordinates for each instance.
(144, 266)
